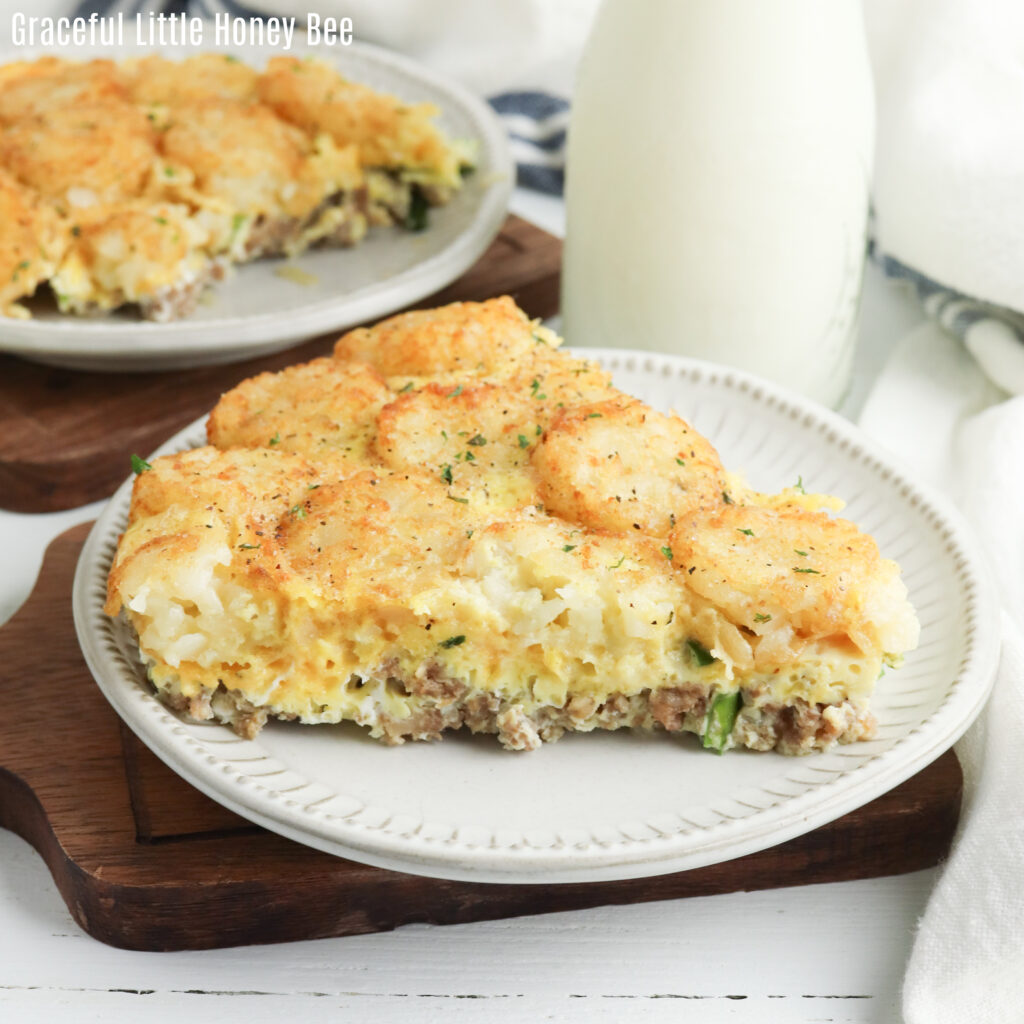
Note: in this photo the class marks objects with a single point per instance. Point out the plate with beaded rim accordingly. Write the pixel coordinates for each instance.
(616, 805)
(259, 309)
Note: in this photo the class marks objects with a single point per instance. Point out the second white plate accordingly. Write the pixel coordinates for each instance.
(257, 310)
(611, 805)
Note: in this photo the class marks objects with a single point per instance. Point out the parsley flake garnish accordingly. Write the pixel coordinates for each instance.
(477, 440)
(749, 533)
(815, 571)
(408, 387)
(802, 554)
(761, 617)
(799, 485)
(456, 392)
(248, 547)
(680, 462)
(618, 563)
(595, 415)
(276, 439)
(139, 465)
(667, 552)
(299, 511)
(727, 498)
(453, 641)
(446, 473)
(524, 442)
(568, 547)
(461, 501)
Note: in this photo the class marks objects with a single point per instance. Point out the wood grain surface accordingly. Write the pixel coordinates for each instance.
(144, 861)
(66, 435)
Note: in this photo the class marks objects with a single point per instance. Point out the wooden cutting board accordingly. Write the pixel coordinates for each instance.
(66, 436)
(144, 861)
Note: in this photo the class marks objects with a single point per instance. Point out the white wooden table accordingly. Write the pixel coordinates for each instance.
(817, 953)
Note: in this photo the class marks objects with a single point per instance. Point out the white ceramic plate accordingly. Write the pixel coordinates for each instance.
(602, 805)
(257, 311)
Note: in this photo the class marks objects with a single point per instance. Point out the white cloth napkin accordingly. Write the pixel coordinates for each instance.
(949, 207)
(968, 957)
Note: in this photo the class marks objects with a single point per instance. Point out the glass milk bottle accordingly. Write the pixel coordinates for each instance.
(718, 172)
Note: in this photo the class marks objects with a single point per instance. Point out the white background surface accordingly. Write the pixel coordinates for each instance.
(824, 953)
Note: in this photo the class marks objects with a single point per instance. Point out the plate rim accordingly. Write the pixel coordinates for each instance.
(95, 341)
(444, 857)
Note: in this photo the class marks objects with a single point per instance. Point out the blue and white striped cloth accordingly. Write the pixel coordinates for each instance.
(536, 120)
(994, 335)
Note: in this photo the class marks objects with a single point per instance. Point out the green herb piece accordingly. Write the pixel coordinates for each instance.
(408, 387)
(76, 230)
(236, 223)
(312, 487)
(477, 440)
(568, 547)
(299, 511)
(453, 641)
(761, 617)
(721, 718)
(595, 415)
(169, 172)
(469, 533)
(446, 473)
(461, 501)
(23, 265)
(727, 498)
(699, 653)
(524, 442)
(815, 571)
(680, 462)
(535, 386)
(469, 457)
(160, 220)
(456, 392)
(667, 552)
(276, 439)
(248, 547)
(139, 465)
(539, 431)
(799, 485)
(618, 563)
(416, 218)
(749, 533)
(802, 554)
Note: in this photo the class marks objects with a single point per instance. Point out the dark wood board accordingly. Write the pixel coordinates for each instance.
(144, 861)
(66, 435)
